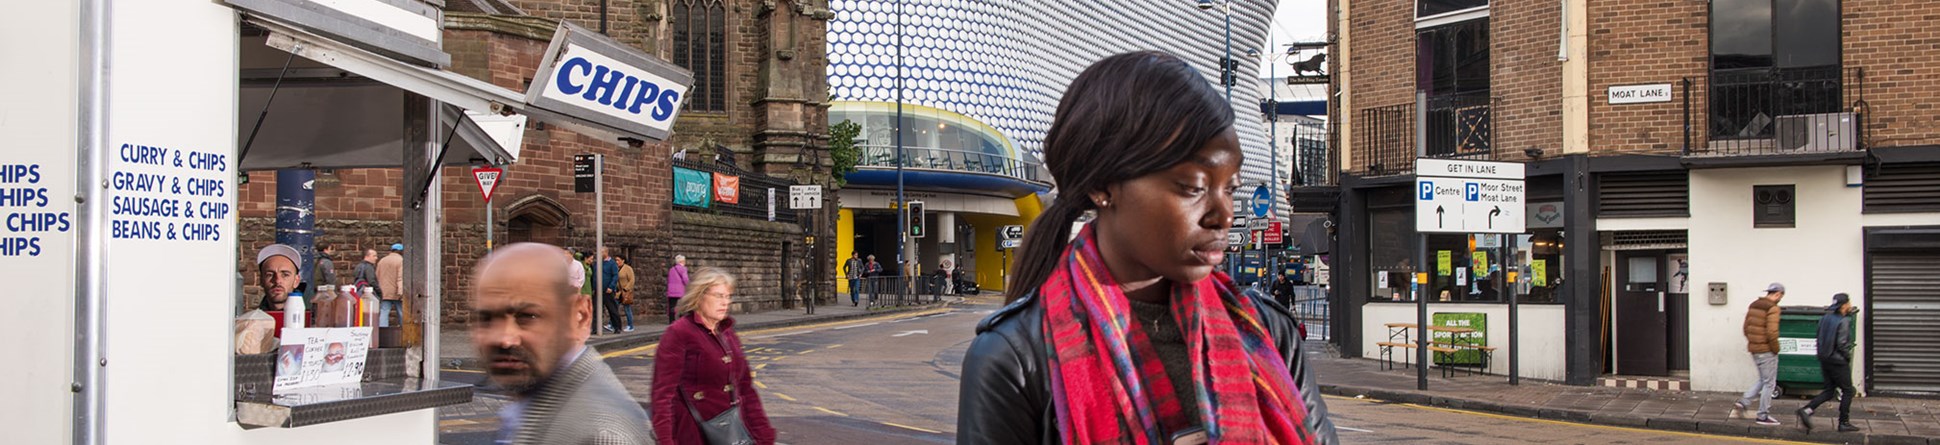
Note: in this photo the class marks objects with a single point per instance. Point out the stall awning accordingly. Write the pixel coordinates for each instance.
(344, 107)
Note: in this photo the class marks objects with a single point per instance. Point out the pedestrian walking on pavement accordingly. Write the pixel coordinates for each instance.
(626, 289)
(610, 290)
(390, 285)
(531, 328)
(852, 269)
(365, 274)
(1127, 333)
(676, 286)
(701, 378)
(872, 271)
(1761, 339)
(1835, 363)
(326, 272)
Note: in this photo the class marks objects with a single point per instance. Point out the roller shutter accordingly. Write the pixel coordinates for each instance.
(1905, 300)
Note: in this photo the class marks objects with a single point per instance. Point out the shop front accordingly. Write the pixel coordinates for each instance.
(133, 136)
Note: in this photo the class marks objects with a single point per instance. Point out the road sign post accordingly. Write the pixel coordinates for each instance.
(488, 181)
(1457, 196)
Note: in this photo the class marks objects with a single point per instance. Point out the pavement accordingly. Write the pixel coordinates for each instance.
(1883, 420)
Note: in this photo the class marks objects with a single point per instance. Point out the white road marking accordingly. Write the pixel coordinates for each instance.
(909, 333)
(873, 323)
(1357, 430)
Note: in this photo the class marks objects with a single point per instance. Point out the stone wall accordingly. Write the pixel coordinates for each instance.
(750, 250)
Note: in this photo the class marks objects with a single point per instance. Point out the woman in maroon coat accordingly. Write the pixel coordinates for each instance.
(700, 363)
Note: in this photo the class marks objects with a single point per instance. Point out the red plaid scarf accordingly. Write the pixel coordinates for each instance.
(1106, 379)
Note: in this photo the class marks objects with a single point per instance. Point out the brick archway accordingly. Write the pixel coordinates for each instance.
(536, 218)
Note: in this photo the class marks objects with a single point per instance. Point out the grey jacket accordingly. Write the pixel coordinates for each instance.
(584, 404)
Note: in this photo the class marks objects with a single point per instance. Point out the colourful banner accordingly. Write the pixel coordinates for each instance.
(691, 187)
(727, 188)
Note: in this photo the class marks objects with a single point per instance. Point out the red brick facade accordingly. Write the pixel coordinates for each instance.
(1646, 43)
(1892, 42)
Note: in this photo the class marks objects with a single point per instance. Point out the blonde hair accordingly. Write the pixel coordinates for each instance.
(704, 279)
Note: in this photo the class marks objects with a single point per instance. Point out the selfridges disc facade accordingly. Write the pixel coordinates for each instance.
(1006, 63)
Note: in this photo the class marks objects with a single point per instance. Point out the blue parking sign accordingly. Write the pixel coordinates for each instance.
(1474, 192)
(1427, 191)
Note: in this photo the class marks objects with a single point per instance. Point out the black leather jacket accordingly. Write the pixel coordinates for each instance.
(1006, 396)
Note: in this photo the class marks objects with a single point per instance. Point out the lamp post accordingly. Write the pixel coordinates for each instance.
(1225, 62)
(902, 207)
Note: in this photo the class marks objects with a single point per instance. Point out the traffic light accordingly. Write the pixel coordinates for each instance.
(916, 219)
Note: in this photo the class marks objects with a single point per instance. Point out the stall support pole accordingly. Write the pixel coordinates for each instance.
(423, 233)
(91, 234)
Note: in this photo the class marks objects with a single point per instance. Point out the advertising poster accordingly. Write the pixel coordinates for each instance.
(727, 188)
(1472, 320)
(692, 187)
(321, 356)
(1539, 273)
(1444, 262)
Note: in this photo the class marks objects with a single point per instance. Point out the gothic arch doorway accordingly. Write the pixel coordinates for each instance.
(536, 218)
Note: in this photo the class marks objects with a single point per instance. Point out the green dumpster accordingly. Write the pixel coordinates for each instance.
(1798, 350)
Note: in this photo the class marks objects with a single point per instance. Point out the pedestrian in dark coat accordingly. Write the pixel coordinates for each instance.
(1835, 363)
(699, 370)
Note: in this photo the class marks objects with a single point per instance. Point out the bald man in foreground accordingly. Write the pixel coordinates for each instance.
(530, 325)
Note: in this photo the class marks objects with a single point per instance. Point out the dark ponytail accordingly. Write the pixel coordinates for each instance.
(1043, 246)
(1126, 116)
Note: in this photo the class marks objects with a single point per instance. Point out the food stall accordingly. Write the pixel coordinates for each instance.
(128, 127)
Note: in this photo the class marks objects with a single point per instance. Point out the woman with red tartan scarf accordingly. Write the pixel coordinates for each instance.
(1126, 333)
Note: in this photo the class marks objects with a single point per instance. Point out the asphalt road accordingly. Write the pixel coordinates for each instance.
(894, 381)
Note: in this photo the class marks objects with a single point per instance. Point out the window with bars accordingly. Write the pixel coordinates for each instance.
(700, 45)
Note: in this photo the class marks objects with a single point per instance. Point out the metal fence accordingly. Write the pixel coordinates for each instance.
(953, 160)
(1458, 126)
(1769, 111)
(754, 192)
(898, 290)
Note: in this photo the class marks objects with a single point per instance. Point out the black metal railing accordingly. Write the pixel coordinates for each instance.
(1458, 126)
(1311, 155)
(1770, 111)
(753, 196)
(880, 291)
(884, 156)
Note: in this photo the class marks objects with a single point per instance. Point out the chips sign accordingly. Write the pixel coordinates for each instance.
(488, 180)
(597, 79)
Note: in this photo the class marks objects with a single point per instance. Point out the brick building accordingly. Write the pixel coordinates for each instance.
(1680, 155)
(757, 104)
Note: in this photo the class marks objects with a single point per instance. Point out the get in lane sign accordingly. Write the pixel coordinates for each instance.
(1468, 197)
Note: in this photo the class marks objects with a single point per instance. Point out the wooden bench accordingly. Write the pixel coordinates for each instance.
(1448, 369)
(1388, 352)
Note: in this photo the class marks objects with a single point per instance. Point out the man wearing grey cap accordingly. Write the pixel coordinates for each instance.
(1761, 339)
(277, 271)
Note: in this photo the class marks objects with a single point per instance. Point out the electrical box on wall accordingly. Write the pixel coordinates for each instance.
(1717, 294)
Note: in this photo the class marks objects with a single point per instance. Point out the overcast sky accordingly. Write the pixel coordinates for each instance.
(1298, 21)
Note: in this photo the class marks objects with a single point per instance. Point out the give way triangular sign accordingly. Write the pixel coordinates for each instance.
(488, 179)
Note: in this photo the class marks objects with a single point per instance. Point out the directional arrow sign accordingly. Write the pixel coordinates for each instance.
(1453, 196)
(909, 333)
